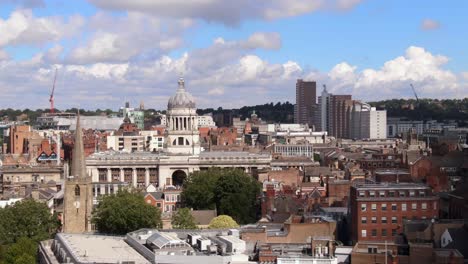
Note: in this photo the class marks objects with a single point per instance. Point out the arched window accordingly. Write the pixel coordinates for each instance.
(77, 190)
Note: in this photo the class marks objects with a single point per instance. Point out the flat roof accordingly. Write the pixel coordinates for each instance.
(99, 249)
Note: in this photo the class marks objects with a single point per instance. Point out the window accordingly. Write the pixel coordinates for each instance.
(364, 220)
(167, 198)
(364, 233)
(391, 193)
(384, 207)
(394, 232)
(435, 206)
(422, 193)
(158, 205)
(382, 193)
(411, 193)
(363, 207)
(414, 206)
(362, 193)
(424, 206)
(384, 219)
(394, 220)
(77, 190)
(374, 232)
(394, 207)
(372, 250)
(403, 207)
(371, 193)
(374, 207)
(402, 193)
(374, 220)
(384, 232)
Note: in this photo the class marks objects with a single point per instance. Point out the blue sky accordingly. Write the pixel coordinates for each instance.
(109, 51)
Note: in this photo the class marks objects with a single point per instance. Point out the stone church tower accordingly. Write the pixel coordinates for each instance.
(78, 194)
(182, 123)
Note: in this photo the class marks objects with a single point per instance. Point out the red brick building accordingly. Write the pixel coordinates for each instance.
(378, 210)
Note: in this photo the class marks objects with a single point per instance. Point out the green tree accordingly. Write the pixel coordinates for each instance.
(183, 219)
(124, 212)
(222, 221)
(27, 218)
(237, 195)
(230, 191)
(22, 252)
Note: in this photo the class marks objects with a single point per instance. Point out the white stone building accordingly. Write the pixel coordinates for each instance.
(180, 156)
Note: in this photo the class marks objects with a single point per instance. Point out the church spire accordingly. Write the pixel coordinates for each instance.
(78, 169)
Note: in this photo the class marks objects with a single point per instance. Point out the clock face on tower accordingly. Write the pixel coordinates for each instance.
(76, 204)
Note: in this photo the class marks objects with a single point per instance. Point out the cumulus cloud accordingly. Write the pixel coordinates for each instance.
(23, 28)
(225, 11)
(246, 79)
(392, 80)
(124, 38)
(429, 24)
(265, 40)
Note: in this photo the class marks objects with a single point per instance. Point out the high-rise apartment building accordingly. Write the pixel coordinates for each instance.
(367, 122)
(306, 103)
(378, 210)
(335, 113)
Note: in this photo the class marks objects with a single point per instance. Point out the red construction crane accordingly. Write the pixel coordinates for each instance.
(51, 99)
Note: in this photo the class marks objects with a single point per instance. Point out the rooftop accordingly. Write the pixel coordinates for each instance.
(99, 249)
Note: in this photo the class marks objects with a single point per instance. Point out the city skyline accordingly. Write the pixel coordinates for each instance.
(109, 52)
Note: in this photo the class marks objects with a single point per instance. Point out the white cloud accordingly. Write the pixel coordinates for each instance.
(429, 24)
(120, 39)
(216, 91)
(265, 40)
(4, 55)
(225, 11)
(244, 79)
(23, 28)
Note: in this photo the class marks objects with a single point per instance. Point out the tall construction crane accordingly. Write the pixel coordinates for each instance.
(51, 99)
(417, 100)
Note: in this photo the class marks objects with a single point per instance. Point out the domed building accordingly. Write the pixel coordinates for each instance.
(182, 127)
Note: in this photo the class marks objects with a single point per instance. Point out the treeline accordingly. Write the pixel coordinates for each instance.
(277, 113)
(435, 109)
(445, 109)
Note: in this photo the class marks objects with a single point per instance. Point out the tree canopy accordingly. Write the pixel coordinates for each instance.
(27, 218)
(230, 191)
(124, 212)
(222, 221)
(22, 226)
(183, 219)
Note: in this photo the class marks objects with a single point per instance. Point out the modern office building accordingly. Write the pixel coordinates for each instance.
(367, 122)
